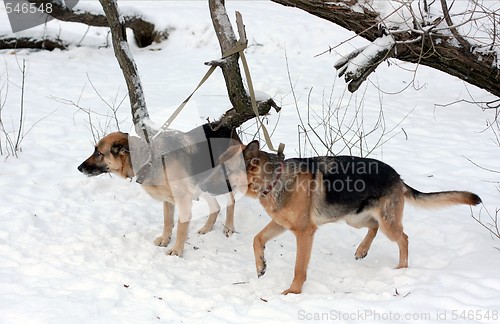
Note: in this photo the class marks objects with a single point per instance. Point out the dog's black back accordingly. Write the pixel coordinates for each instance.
(350, 181)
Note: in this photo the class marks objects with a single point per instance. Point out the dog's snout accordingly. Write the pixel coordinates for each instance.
(80, 168)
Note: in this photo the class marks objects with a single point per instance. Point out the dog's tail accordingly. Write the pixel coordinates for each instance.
(441, 198)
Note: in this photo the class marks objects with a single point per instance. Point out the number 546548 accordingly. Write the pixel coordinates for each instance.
(28, 7)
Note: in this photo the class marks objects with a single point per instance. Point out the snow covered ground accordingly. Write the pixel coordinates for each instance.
(80, 250)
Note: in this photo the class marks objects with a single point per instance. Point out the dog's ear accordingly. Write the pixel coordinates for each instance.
(120, 147)
(252, 150)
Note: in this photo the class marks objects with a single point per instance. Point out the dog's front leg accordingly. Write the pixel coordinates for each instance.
(304, 246)
(184, 204)
(271, 230)
(168, 224)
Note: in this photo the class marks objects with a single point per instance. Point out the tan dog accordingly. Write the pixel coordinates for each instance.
(177, 183)
(302, 194)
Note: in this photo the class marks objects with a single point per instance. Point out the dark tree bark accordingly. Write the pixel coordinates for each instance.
(29, 42)
(432, 49)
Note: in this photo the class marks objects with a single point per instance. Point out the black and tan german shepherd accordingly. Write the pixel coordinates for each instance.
(301, 194)
(177, 163)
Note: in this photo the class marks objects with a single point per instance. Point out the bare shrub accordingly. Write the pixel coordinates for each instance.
(98, 123)
(341, 124)
(491, 222)
(12, 136)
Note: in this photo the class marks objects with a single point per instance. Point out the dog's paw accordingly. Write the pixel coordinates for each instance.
(261, 267)
(360, 254)
(403, 265)
(361, 251)
(291, 290)
(205, 229)
(162, 241)
(175, 252)
(228, 231)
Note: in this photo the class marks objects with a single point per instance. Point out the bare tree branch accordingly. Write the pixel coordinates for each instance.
(421, 43)
(361, 63)
(465, 44)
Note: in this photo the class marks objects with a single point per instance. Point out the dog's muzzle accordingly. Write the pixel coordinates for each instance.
(91, 171)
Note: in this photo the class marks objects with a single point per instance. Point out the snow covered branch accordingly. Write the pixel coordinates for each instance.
(467, 47)
(357, 66)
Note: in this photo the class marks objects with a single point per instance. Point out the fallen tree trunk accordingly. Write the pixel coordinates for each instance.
(34, 43)
(144, 31)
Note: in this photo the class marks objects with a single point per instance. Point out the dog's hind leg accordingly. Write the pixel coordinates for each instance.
(304, 247)
(229, 226)
(269, 232)
(392, 226)
(168, 224)
(214, 208)
(364, 246)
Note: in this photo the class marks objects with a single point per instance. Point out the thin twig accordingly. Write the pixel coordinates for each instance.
(483, 168)
(494, 228)
(21, 115)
